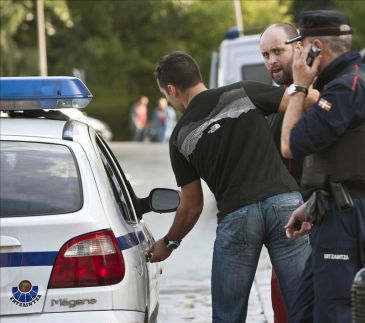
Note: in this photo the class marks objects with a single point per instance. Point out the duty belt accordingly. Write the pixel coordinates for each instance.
(317, 204)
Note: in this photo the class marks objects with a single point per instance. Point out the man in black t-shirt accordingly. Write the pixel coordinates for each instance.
(224, 139)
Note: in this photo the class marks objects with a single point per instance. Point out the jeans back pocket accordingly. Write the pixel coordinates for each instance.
(232, 232)
(283, 212)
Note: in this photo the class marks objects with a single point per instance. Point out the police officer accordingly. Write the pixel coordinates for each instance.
(332, 135)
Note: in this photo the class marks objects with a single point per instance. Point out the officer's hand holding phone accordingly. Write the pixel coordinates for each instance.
(305, 64)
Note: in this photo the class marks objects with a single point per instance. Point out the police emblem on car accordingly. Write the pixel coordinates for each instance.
(25, 294)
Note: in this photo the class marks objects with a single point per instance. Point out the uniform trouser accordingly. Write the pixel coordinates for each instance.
(240, 237)
(335, 261)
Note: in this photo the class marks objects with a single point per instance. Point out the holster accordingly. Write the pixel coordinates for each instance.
(317, 206)
(342, 196)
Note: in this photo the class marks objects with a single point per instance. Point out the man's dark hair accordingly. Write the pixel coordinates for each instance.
(178, 69)
(290, 30)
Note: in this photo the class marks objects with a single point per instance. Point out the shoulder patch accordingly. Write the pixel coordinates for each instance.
(324, 104)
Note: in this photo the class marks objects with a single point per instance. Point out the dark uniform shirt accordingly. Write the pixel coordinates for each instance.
(224, 139)
(341, 106)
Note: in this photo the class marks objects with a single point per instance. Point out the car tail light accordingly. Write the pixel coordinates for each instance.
(93, 259)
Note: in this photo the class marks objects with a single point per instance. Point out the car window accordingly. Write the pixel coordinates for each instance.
(38, 179)
(126, 182)
(116, 182)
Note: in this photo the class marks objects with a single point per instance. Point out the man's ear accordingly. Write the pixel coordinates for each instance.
(318, 43)
(172, 90)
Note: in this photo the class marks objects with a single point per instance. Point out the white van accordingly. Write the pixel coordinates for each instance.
(238, 59)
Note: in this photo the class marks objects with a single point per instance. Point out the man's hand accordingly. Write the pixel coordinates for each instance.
(303, 75)
(298, 215)
(159, 251)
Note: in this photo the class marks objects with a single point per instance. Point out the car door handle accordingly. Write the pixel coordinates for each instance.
(6, 241)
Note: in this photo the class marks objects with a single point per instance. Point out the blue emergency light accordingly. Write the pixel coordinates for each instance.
(35, 93)
(232, 33)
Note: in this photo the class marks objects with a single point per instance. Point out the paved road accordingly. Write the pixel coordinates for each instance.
(185, 282)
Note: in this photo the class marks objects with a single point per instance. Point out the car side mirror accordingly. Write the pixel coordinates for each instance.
(160, 200)
(164, 200)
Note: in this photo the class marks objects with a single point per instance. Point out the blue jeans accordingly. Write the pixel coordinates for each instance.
(240, 237)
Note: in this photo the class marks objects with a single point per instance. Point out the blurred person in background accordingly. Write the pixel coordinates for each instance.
(139, 118)
(164, 120)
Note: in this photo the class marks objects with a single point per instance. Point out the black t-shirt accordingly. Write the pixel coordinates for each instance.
(224, 139)
(294, 166)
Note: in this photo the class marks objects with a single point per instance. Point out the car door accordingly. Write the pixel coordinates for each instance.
(142, 233)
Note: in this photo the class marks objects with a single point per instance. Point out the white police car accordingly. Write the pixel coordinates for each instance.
(73, 242)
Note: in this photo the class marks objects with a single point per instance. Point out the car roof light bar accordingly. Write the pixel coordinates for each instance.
(38, 93)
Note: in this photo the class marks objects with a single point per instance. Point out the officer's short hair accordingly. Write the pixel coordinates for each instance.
(178, 69)
(338, 44)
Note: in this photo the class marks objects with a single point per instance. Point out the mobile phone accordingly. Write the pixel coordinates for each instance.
(313, 53)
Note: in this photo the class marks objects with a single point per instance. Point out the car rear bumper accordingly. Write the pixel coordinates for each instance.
(91, 316)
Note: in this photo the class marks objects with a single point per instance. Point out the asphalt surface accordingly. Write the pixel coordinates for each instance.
(185, 280)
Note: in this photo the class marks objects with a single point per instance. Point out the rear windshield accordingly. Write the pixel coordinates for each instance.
(38, 179)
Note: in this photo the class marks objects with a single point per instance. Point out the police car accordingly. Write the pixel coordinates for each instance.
(73, 245)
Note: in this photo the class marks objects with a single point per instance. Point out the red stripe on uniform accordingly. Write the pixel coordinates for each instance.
(354, 84)
(355, 79)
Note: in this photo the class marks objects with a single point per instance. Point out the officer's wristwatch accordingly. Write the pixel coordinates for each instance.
(293, 88)
(171, 244)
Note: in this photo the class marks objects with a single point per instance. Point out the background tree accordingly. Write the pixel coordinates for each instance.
(299, 5)
(18, 36)
(356, 11)
(117, 43)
